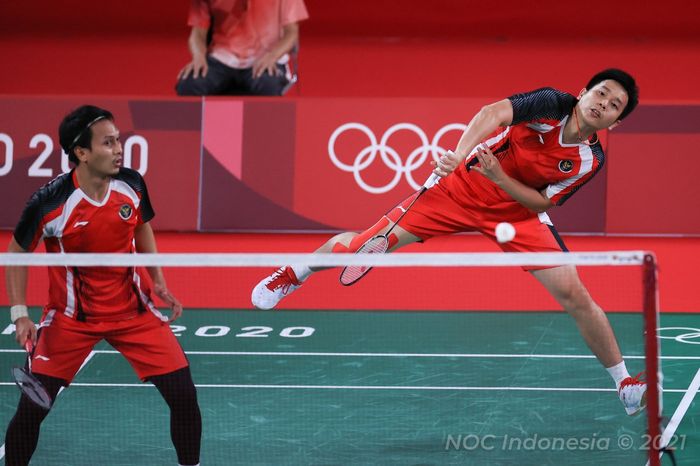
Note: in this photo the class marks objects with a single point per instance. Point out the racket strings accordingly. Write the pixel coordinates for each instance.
(28, 383)
(352, 273)
(32, 387)
(376, 245)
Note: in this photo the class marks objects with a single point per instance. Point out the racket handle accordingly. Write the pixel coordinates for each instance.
(29, 346)
(430, 182)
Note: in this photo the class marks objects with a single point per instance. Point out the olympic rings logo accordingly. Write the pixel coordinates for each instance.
(388, 155)
(688, 335)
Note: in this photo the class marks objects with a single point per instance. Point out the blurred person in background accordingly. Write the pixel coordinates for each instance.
(241, 47)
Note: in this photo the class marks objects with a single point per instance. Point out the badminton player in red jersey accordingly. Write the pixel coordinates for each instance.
(99, 207)
(517, 158)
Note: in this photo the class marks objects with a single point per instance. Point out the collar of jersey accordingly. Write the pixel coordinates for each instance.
(74, 176)
(561, 134)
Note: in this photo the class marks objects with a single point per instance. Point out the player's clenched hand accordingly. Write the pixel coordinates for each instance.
(170, 300)
(25, 330)
(446, 164)
(488, 165)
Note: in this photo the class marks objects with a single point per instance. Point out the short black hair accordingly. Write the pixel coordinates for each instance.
(625, 80)
(76, 128)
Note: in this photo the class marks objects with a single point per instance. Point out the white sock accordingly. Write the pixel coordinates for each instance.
(301, 271)
(618, 373)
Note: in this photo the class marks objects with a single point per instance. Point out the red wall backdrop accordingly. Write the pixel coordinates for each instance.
(381, 48)
(653, 186)
(673, 18)
(311, 164)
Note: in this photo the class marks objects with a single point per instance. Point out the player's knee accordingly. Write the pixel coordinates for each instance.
(393, 241)
(177, 388)
(29, 412)
(350, 242)
(186, 392)
(359, 239)
(576, 299)
(342, 243)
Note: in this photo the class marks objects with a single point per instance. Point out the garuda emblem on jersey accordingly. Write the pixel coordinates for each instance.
(565, 166)
(125, 212)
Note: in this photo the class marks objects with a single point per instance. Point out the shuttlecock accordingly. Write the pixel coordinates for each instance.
(505, 232)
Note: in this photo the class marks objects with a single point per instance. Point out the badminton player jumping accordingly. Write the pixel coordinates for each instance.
(517, 158)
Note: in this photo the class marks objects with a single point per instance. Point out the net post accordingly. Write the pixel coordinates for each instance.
(651, 347)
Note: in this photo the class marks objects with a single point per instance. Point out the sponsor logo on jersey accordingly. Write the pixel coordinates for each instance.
(80, 224)
(565, 166)
(126, 211)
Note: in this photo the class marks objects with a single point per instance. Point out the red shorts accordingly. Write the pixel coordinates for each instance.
(145, 341)
(438, 213)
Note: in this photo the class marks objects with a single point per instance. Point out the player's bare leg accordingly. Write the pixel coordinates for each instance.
(566, 287)
(285, 280)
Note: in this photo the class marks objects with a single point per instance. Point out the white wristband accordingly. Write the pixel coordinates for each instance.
(17, 311)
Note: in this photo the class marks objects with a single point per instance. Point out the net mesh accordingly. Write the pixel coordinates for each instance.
(479, 365)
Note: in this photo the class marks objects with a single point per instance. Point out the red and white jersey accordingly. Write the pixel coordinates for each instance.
(532, 151)
(69, 221)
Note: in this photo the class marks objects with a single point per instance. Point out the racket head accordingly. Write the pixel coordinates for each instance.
(351, 274)
(30, 386)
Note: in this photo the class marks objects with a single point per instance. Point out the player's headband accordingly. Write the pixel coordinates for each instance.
(87, 127)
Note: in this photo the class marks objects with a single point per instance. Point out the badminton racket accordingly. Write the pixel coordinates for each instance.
(29, 384)
(379, 244)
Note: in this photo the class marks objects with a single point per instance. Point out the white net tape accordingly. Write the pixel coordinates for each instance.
(497, 259)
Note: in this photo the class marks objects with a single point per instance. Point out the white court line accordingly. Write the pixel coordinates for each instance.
(417, 355)
(390, 355)
(92, 353)
(680, 412)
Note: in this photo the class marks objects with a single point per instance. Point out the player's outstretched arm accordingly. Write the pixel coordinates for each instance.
(146, 243)
(485, 122)
(16, 282)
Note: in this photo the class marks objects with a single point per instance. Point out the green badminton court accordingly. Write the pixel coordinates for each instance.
(374, 388)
